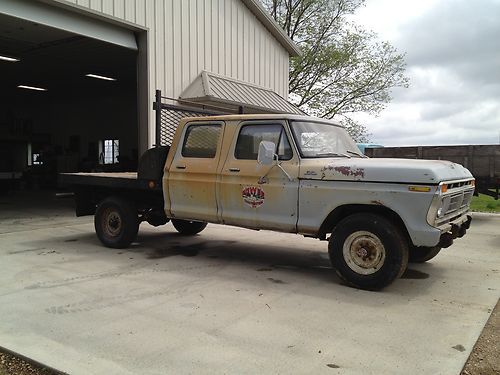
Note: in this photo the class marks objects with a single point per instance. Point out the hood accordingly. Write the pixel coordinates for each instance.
(382, 170)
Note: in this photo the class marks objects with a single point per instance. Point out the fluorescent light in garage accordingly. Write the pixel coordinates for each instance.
(9, 59)
(100, 77)
(31, 88)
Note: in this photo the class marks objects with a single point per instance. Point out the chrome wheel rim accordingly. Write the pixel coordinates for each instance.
(363, 252)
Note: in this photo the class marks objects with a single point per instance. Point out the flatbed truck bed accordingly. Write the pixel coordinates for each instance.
(103, 179)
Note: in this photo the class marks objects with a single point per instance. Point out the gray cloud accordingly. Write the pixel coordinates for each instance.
(453, 56)
(454, 32)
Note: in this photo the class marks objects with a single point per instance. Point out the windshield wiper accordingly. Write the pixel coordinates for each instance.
(333, 154)
(357, 154)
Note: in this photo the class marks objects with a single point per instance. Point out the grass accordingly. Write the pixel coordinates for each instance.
(485, 203)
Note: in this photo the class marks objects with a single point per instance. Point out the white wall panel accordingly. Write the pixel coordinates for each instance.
(107, 6)
(119, 9)
(83, 3)
(168, 36)
(140, 12)
(96, 5)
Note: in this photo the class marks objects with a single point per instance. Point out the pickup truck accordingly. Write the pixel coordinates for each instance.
(286, 173)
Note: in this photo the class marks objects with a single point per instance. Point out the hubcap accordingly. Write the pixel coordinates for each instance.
(112, 223)
(363, 252)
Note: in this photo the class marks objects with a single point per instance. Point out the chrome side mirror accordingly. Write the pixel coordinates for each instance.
(266, 153)
(267, 156)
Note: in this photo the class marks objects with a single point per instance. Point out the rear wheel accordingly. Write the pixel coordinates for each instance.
(116, 222)
(368, 251)
(422, 254)
(188, 227)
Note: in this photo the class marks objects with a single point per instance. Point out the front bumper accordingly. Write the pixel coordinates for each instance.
(454, 229)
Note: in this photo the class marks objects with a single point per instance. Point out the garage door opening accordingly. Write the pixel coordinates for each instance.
(69, 104)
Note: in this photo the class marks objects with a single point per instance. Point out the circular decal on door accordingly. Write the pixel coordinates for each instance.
(253, 196)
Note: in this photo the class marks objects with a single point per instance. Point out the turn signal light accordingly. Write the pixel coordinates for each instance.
(444, 188)
(421, 189)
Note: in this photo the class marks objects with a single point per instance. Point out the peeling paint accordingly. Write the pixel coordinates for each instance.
(344, 170)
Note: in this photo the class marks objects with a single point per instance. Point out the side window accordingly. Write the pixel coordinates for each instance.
(247, 145)
(201, 141)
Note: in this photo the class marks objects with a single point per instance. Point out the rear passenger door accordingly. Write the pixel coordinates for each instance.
(245, 198)
(192, 175)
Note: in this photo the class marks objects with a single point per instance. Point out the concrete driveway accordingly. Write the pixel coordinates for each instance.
(229, 301)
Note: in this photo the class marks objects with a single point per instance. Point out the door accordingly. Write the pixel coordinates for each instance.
(260, 196)
(192, 174)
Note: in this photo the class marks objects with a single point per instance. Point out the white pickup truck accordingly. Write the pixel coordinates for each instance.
(291, 174)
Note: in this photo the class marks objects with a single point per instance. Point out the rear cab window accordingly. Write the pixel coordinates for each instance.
(201, 141)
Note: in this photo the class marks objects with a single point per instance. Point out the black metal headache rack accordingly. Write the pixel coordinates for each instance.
(168, 115)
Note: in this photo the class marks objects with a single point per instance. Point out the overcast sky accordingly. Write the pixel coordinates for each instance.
(453, 61)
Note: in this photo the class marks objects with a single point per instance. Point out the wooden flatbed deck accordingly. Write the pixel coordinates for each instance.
(119, 180)
(128, 175)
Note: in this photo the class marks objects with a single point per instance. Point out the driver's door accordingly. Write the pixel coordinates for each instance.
(245, 197)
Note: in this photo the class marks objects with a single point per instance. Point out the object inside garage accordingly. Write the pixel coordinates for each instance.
(68, 103)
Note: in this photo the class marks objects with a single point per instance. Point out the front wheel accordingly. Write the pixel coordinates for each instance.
(188, 227)
(422, 254)
(116, 222)
(368, 251)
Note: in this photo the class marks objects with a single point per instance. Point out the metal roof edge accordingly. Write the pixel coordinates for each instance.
(238, 81)
(190, 90)
(254, 106)
(258, 10)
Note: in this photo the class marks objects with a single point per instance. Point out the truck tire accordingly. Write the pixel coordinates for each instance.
(422, 254)
(368, 251)
(116, 222)
(188, 227)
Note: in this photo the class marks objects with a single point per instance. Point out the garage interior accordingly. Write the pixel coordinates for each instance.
(54, 117)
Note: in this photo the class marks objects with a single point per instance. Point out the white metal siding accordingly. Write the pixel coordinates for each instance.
(188, 36)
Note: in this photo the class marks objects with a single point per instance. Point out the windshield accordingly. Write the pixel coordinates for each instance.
(322, 140)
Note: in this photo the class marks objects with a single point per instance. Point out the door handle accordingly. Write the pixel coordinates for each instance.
(234, 169)
(180, 166)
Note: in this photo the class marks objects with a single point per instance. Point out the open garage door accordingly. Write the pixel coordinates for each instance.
(69, 21)
(69, 103)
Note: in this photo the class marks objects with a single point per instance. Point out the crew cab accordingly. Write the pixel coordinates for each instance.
(291, 174)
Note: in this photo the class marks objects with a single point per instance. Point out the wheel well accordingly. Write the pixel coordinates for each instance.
(342, 212)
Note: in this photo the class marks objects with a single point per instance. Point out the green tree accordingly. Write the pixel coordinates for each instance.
(343, 68)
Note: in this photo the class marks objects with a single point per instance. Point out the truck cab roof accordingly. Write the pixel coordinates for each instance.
(256, 116)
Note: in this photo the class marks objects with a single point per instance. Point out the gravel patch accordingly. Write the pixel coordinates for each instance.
(14, 365)
(484, 359)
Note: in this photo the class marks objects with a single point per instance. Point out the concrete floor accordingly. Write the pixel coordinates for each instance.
(229, 301)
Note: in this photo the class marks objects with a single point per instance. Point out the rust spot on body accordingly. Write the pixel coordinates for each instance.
(346, 171)
(378, 203)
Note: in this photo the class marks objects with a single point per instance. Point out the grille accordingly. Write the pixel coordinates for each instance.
(459, 200)
(459, 184)
(458, 204)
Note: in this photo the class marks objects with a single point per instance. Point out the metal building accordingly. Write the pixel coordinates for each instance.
(78, 77)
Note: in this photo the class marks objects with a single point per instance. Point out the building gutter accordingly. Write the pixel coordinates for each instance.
(272, 26)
